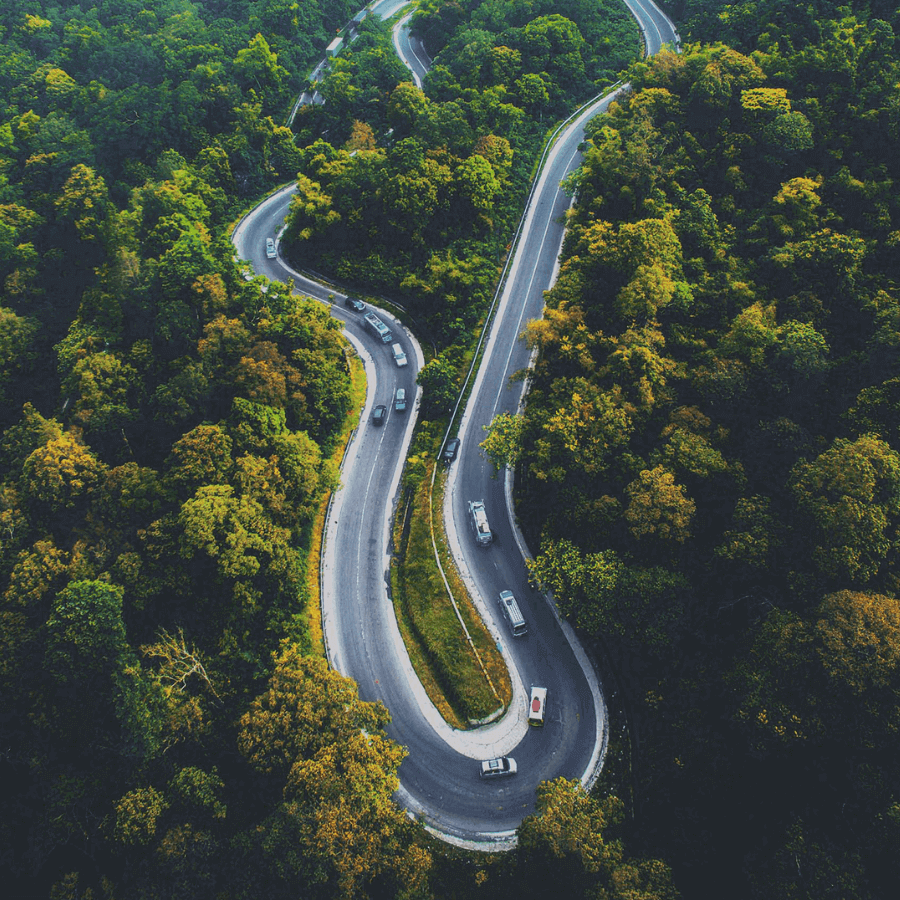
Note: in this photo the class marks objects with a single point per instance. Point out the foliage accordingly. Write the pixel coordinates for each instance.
(572, 841)
(307, 707)
(163, 427)
(416, 191)
(707, 459)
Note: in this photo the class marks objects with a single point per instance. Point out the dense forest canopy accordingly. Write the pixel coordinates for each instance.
(167, 430)
(168, 426)
(708, 464)
(415, 191)
(709, 458)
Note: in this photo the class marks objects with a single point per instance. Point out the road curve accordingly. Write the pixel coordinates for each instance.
(439, 778)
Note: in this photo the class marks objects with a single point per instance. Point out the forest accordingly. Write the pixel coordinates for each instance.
(170, 425)
(713, 424)
(416, 193)
(709, 461)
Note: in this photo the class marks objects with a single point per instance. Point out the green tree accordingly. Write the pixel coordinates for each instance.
(17, 335)
(832, 677)
(311, 211)
(849, 497)
(568, 822)
(137, 815)
(577, 837)
(258, 70)
(233, 539)
(104, 390)
(86, 632)
(340, 803)
(19, 441)
(553, 44)
(586, 429)
(197, 790)
(755, 536)
(306, 475)
(104, 699)
(83, 202)
(659, 507)
(61, 475)
(308, 707)
(504, 441)
(476, 183)
(603, 595)
(803, 350)
(406, 105)
(437, 379)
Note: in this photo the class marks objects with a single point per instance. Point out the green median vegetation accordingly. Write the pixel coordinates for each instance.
(461, 669)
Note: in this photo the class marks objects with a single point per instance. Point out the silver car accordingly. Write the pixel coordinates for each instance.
(497, 767)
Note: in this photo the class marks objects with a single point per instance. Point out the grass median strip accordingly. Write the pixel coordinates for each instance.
(460, 667)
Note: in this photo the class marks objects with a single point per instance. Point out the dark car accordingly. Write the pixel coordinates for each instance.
(379, 414)
(354, 304)
(451, 450)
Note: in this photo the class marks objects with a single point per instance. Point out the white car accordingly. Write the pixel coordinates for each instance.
(399, 355)
(501, 765)
(270, 248)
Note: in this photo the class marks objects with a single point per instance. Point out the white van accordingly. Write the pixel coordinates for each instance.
(537, 706)
(513, 614)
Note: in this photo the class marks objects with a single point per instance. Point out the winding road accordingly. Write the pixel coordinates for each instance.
(439, 778)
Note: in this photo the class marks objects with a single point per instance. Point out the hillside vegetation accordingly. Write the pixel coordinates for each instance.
(168, 728)
(709, 461)
(708, 465)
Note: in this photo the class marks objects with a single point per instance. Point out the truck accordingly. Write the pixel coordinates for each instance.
(480, 527)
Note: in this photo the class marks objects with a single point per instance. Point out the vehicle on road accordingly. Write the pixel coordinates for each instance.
(354, 304)
(400, 400)
(270, 248)
(480, 527)
(451, 450)
(379, 414)
(537, 706)
(499, 766)
(399, 355)
(513, 614)
(379, 327)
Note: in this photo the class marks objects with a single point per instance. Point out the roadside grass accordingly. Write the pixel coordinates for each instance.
(467, 686)
(314, 557)
(491, 659)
